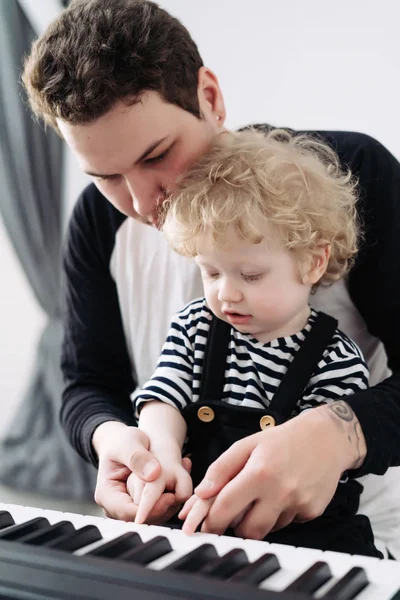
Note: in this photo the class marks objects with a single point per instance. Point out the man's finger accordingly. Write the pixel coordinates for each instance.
(284, 519)
(239, 518)
(116, 503)
(164, 509)
(236, 496)
(144, 464)
(225, 468)
(258, 521)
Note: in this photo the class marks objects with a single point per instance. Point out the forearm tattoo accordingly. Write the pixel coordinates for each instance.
(354, 433)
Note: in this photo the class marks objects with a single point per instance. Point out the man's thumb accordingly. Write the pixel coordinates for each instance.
(144, 465)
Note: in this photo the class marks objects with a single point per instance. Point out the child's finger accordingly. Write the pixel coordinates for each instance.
(187, 507)
(187, 464)
(183, 486)
(134, 487)
(197, 514)
(152, 491)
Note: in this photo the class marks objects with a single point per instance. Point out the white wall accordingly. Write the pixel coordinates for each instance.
(294, 63)
(303, 63)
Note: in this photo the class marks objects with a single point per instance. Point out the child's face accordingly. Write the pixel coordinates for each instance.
(257, 288)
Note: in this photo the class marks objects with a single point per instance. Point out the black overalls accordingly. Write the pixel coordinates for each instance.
(214, 425)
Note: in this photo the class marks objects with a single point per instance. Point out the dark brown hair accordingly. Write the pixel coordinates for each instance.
(99, 52)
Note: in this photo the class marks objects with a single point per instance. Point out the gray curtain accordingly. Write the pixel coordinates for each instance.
(35, 455)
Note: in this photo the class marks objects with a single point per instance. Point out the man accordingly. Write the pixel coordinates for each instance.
(123, 83)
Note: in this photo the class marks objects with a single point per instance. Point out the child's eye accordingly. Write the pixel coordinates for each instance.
(156, 159)
(252, 277)
(212, 275)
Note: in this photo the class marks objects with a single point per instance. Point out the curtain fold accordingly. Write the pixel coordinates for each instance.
(35, 455)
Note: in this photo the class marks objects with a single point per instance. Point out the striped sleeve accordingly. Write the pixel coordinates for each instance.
(341, 372)
(172, 381)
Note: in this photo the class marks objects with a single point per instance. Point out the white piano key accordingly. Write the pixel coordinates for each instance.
(293, 563)
(112, 529)
(21, 513)
(222, 543)
(256, 548)
(186, 545)
(82, 520)
(384, 591)
(383, 575)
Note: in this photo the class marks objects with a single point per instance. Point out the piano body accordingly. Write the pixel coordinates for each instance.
(47, 554)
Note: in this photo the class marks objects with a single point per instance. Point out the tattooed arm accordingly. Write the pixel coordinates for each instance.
(344, 417)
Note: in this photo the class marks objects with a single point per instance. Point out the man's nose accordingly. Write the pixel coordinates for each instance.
(229, 292)
(145, 195)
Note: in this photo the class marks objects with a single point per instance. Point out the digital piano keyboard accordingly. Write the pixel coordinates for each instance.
(46, 554)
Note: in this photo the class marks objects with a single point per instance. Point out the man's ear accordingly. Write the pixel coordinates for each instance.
(318, 264)
(210, 96)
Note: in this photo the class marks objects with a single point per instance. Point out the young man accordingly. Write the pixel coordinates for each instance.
(123, 83)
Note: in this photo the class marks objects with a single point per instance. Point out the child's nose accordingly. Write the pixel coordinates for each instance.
(229, 292)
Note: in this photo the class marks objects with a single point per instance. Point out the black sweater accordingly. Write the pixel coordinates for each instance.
(95, 361)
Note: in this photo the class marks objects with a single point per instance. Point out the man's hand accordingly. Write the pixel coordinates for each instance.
(286, 473)
(123, 450)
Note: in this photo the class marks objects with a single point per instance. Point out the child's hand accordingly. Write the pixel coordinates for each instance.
(174, 478)
(194, 512)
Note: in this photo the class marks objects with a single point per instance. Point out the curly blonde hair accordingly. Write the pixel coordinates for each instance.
(293, 183)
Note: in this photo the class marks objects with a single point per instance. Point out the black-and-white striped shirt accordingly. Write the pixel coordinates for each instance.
(254, 369)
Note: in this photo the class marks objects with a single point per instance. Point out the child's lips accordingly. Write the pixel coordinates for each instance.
(237, 318)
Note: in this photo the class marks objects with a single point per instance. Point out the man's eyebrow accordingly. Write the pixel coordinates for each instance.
(148, 151)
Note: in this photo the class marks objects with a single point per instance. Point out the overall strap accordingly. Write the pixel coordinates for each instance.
(214, 362)
(303, 365)
(296, 378)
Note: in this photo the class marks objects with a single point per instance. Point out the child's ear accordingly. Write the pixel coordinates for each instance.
(318, 264)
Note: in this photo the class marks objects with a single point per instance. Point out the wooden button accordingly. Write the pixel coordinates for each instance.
(267, 421)
(205, 414)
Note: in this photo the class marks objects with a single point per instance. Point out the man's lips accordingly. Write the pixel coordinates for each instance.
(237, 318)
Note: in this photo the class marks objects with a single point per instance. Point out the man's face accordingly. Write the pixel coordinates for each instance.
(136, 153)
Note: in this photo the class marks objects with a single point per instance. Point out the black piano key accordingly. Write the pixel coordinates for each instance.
(312, 579)
(15, 532)
(225, 566)
(6, 519)
(45, 536)
(257, 571)
(38, 573)
(77, 539)
(349, 585)
(193, 561)
(114, 548)
(147, 552)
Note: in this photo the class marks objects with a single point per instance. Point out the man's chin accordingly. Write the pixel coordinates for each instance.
(145, 220)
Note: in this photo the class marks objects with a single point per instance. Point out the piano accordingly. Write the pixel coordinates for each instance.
(46, 554)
